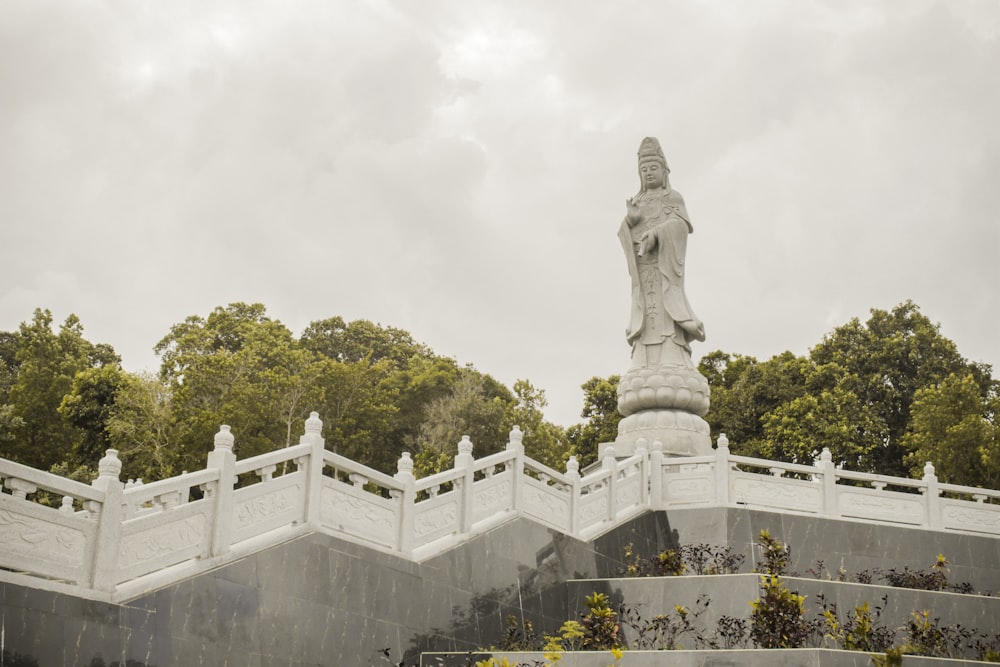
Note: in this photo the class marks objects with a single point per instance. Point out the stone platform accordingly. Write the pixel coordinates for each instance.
(320, 600)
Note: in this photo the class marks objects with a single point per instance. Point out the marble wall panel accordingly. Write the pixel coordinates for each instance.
(319, 600)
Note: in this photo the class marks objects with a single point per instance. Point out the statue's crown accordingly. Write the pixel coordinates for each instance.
(650, 147)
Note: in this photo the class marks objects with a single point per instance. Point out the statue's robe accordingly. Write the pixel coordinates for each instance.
(658, 298)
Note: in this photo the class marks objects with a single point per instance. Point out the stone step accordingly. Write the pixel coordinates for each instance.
(731, 595)
(807, 657)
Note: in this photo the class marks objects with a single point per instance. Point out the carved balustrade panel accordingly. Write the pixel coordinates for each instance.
(436, 517)
(271, 461)
(144, 500)
(688, 484)
(492, 495)
(592, 506)
(629, 493)
(354, 511)
(881, 505)
(771, 491)
(263, 507)
(970, 516)
(44, 541)
(546, 502)
(168, 537)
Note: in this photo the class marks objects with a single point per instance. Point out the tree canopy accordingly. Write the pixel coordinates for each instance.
(875, 393)
(886, 395)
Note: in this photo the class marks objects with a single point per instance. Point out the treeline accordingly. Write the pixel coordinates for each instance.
(884, 396)
(64, 400)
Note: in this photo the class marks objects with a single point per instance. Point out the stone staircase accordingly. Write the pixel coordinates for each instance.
(826, 557)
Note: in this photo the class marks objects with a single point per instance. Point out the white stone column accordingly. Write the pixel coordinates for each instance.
(514, 444)
(313, 470)
(828, 475)
(107, 544)
(932, 497)
(223, 460)
(573, 473)
(611, 465)
(464, 462)
(407, 497)
(656, 476)
(722, 471)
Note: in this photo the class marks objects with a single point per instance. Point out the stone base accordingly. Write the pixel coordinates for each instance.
(663, 388)
(682, 433)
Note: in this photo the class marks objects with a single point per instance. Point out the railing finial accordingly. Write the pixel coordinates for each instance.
(515, 439)
(572, 466)
(405, 464)
(224, 439)
(314, 424)
(109, 466)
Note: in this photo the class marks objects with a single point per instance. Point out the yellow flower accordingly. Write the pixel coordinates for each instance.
(618, 653)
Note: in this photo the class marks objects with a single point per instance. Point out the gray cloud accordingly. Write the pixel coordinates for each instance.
(459, 169)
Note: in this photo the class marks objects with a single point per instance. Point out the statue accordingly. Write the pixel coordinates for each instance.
(662, 397)
(654, 237)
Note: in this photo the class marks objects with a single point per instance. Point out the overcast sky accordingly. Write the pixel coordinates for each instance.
(458, 169)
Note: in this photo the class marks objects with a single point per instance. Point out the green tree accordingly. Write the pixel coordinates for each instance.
(241, 368)
(378, 384)
(359, 404)
(475, 407)
(543, 441)
(797, 431)
(142, 427)
(361, 339)
(600, 409)
(745, 391)
(957, 429)
(884, 362)
(45, 363)
(87, 406)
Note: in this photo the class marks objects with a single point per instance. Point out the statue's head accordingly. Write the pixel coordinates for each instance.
(653, 167)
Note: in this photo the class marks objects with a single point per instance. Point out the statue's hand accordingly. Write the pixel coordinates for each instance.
(646, 242)
(632, 212)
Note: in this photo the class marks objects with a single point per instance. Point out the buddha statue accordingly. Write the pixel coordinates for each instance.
(662, 397)
(654, 236)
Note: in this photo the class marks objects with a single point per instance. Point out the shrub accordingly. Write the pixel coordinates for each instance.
(673, 562)
(775, 557)
(600, 626)
(665, 631)
(861, 630)
(778, 618)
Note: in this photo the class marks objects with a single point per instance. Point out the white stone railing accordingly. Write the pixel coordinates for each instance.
(114, 541)
(722, 479)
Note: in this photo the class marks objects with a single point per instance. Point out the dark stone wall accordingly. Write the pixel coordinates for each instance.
(852, 545)
(319, 600)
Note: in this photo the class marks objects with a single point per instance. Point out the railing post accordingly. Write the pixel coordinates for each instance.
(107, 541)
(407, 497)
(223, 460)
(573, 473)
(611, 465)
(464, 462)
(656, 476)
(932, 496)
(642, 450)
(514, 444)
(828, 476)
(722, 470)
(313, 471)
